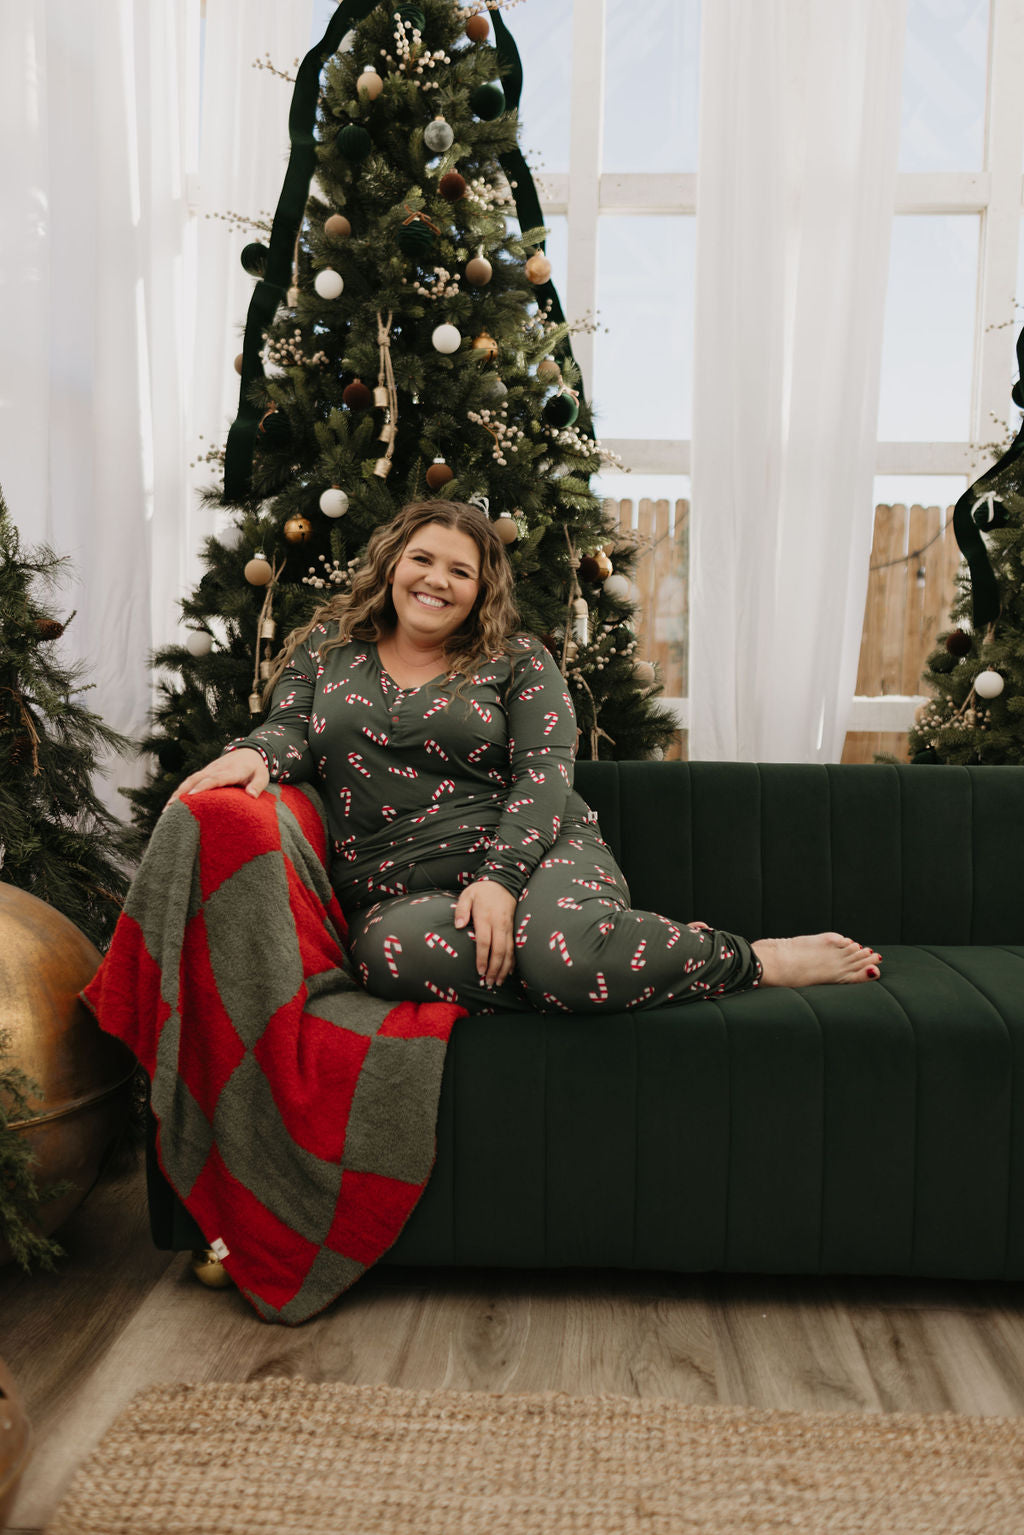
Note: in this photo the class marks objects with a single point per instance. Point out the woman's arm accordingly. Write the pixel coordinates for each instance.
(283, 740)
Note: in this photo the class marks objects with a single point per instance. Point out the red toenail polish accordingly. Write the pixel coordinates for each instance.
(873, 973)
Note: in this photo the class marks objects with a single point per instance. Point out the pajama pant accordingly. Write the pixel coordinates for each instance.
(580, 947)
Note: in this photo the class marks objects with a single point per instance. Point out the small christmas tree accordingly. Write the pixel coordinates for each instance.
(57, 840)
(404, 341)
(976, 673)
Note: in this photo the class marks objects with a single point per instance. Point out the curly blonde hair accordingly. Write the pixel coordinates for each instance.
(367, 611)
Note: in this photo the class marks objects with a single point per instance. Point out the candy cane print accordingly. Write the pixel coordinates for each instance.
(520, 932)
(388, 812)
(648, 991)
(432, 748)
(356, 761)
(638, 962)
(318, 725)
(674, 932)
(448, 995)
(692, 965)
(372, 735)
(550, 721)
(549, 863)
(587, 884)
(435, 941)
(528, 693)
(557, 941)
(364, 972)
(446, 786)
(391, 948)
(442, 703)
(477, 752)
(601, 994)
(354, 698)
(517, 804)
(485, 714)
(606, 927)
(567, 903)
(404, 772)
(345, 795)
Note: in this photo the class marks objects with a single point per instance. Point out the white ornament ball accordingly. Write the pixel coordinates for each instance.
(447, 338)
(988, 684)
(329, 283)
(616, 586)
(334, 502)
(438, 136)
(643, 671)
(231, 536)
(198, 642)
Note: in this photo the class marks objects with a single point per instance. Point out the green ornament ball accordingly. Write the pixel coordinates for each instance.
(254, 258)
(415, 239)
(487, 101)
(353, 142)
(561, 410)
(412, 16)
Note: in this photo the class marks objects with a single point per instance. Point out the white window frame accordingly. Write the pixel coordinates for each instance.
(995, 194)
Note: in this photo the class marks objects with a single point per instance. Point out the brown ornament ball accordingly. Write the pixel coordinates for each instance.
(958, 643)
(479, 271)
(589, 569)
(604, 565)
(298, 529)
(478, 28)
(548, 371)
(356, 395)
(506, 529)
(258, 570)
(337, 227)
(452, 186)
(486, 344)
(238, 363)
(538, 268)
(439, 474)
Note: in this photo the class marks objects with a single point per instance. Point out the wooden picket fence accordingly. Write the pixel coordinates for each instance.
(911, 587)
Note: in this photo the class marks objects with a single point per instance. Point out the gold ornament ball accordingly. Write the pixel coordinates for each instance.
(478, 28)
(538, 268)
(548, 371)
(479, 271)
(439, 474)
(83, 1073)
(369, 83)
(298, 529)
(506, 529)
(604, 565)
(337, 227)
(209, 1270)
(258, 570)
(238, 363)
(486, 344)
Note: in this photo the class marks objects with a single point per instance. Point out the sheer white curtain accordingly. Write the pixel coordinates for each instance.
(800, 114)
(121, 301)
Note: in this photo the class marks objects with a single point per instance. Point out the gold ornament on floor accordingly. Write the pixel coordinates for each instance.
(209, 1270)
(82, 1073)
(298, 529)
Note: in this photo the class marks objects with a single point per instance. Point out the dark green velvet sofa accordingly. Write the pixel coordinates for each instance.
(869, 1129)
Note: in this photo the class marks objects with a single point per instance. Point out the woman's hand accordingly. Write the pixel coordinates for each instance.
(491, 907)
(244, 769)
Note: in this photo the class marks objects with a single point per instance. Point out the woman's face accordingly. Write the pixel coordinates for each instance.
(435, 584)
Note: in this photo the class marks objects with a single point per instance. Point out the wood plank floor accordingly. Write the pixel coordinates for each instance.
(120, 1316)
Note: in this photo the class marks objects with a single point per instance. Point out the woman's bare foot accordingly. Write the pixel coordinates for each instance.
(815, 960)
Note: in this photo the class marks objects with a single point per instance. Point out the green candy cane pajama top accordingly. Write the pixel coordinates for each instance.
(430, 788)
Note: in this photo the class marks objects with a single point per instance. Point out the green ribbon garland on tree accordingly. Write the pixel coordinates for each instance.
(997, 485)
(272, 288)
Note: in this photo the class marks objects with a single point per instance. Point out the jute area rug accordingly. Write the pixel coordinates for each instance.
(299, 1458)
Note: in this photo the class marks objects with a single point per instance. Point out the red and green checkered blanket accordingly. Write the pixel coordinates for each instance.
(296, 1114)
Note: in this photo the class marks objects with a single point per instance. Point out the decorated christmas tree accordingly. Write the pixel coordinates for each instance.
(404, 341)
(57, 839)
(976, 673)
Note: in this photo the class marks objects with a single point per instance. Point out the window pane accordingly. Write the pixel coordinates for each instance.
(643, 349)
(542, 33)
(652, 60)
(928, 349)
(945, 65)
